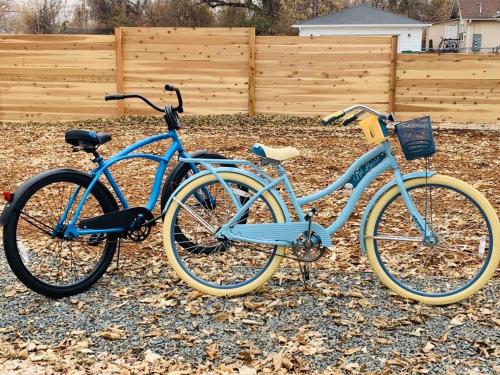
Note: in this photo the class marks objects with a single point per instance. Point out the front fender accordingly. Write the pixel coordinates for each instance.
(376, 197)
(26, 186)
(259, 179)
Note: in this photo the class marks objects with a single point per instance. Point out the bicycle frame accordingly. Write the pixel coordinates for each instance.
(103, 166)
(360, 174)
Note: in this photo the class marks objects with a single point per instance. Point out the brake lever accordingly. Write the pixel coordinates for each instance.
(350, 119)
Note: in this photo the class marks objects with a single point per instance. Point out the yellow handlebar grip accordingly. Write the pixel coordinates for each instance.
(332, 117)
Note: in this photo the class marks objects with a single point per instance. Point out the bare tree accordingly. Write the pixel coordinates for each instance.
(264, 14)
(269, 17)
(4, 15)
(44, 17)
(180, 13)
(108, 14)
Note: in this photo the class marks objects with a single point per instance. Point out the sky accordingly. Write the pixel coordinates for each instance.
(17, 5)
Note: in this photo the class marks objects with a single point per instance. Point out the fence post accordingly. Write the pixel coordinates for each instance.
(393, 73)
(120, 105)
(251, 71)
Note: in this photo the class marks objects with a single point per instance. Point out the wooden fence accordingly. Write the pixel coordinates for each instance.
(449, 87)
(56, 77)
(226, 70)
(307, 75)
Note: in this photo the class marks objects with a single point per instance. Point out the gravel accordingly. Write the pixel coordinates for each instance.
(380, 326)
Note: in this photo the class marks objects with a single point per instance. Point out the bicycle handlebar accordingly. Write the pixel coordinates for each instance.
(333, 117)
(128, 96)
(147, 101)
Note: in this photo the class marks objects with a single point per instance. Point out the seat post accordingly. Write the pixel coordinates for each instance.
(97, 158)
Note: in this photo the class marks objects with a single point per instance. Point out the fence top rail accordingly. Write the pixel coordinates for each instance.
(50, 38)
(326, 39)
(207, 31)
(448, 57)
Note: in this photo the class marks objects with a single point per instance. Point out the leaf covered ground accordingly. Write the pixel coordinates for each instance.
(139, 318)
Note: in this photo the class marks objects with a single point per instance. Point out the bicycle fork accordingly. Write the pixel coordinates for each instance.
(428, 236)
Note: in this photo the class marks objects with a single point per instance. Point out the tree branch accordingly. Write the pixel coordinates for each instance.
(248, 4)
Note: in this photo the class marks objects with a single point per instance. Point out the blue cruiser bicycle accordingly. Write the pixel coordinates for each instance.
(62, 227)
(428, 237)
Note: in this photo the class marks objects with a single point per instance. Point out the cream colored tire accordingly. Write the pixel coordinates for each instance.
(170, 247)
(455, 184)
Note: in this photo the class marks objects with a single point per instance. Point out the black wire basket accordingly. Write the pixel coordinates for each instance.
(416, 138)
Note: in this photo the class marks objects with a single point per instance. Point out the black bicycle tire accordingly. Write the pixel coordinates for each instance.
(108, 204)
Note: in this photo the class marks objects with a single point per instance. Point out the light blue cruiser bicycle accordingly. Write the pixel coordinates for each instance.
(428, 237)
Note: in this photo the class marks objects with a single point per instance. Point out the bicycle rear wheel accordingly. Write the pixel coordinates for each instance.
(180, 173)
(35, 249)
(230, 268)
(468, 245)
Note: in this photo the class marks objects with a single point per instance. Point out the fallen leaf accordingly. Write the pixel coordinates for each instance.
(244, 370)
(212, 351)
(252, 322)
(112, 333)
(151, 356)
(428, 347)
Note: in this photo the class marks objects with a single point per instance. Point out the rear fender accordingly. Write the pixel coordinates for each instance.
(27, 185)
(173, 175)
(376, 197)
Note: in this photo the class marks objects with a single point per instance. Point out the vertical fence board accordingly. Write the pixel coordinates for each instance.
(251, 71)
(120, 88)
(393, 74)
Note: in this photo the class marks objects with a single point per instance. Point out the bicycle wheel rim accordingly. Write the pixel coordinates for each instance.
(472, 280)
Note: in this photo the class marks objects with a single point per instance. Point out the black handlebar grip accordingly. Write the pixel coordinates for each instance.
(348, 120)
(169, 87)
(114, 97)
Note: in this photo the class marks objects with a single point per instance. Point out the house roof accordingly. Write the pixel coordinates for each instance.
(360, 15)
(477, 9)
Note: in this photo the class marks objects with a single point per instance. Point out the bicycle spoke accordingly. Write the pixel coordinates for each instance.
(388, 237)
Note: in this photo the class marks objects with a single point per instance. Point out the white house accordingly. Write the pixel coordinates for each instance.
(365, 20)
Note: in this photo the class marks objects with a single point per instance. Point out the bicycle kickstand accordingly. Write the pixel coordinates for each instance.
(118, 253)
(304, 272)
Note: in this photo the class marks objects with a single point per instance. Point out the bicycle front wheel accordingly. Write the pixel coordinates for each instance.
(467, 251)
(230, 268)
(35, 247)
